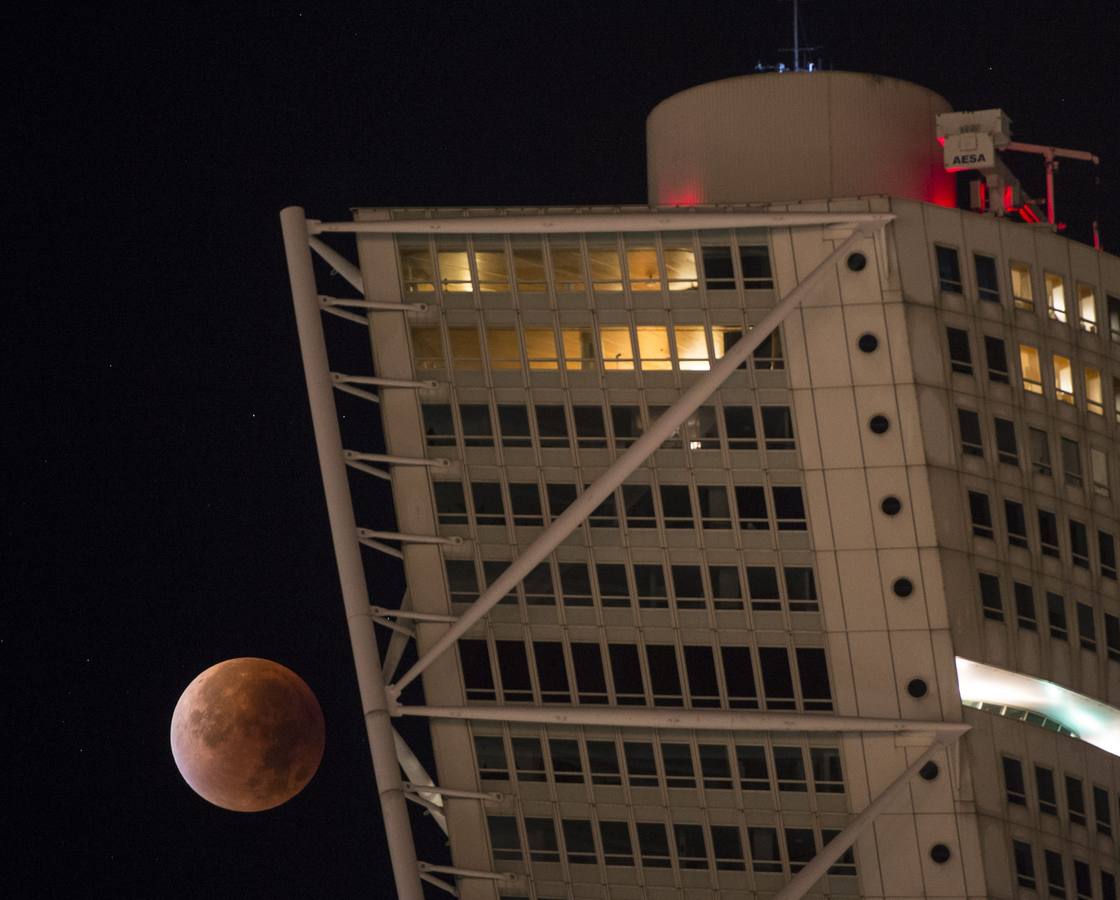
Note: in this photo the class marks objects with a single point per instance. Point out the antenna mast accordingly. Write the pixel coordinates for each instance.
(797, 50)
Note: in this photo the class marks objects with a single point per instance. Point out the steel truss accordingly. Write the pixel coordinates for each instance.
(380, 701)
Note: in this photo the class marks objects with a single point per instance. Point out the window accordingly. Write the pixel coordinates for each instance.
(538, 587)
(580, 353)
(789, 509)
(476, 425)
(1040, 451)
(491, 755)
(1055, 873)
(1102, 811)
(1098, 466)
(718, 272)
(714, 767)
(777, 680)
(768, 354)
(800, 846)
(727, 593)
(762, 583)
(738, 671)
(812, 673)
(676, 506)
(528, 757)
(1013, 781)
(1025, 615)
(605, 515)
(641, 768)
(1007, 445)
(727, 846)
(552, 673)
(1106, 545)
(677, 760)
(602, 757)
(1024, 864)
(1087, 307)
(987, 278)
(846, 864)
(1021, 286)
(591, 430)
(692, 852)
(627, 424)
(637, 501)
(688, 588)
(567, 768)
(739, 424)
(439, 428)
(488, 506)
(751, 501)
(680, 266)
(754, 773)
(541, 835)
(653, 347)
(416, 268)
(801, 589)
(427, 347)
(466, 349)
(1031, 368)
(552, 426)
(991, 601)
(1044, 784)
(700, 666)
(591, 682)
(996, 353)
(462, 580)
(828, 777)
(755, 260)
(1079, 543)
(1094, 391)
(513, 422)
(653, 845)
(1048, 533)
(491, 570)
(765, 855)
(560, 497)
(567, 266)
(478, 681)
(948, 270)
(615, 837)
(1075, 800)
(1055, 296)
(1056, 616)
(981, 514)
(614, 591)
(528, 264)
(972, 441)
(960, 354)
(789, 768)
(715, 508)
(540, 348)
(579, 841)
(1016, 523)
(1114, 318)
(451, 505)
(692, 348)
(777, 426)
(1082, 880)
(649, 581)
(617, 348)
(513, 668)
(665, 680)
(700, 429)
(1086, 627)
(1108, 885)
(505, 843)
(1071, 461)
(1063, 379)
(605, 267)
(525, 503)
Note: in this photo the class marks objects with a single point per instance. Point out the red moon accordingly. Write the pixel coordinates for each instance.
(247, 734)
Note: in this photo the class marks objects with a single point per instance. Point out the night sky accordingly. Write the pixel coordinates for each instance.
(165, 511)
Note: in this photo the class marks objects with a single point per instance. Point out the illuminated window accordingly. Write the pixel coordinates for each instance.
(1021, 286)
(606, 267)
(579, 349)
(1031, 368)
(960, 355)
(995, 352)
(466, 350)
(653, 348)
(692, 347)
(641, 264)
(540, 348)
(567, 266)
(755, 260)
(1094, 391)
(972, 441)
(1063, 379)
(454, 265)
(528, 264)
(618, 351)
(991, 599)
(680, 268)
(504, 348)
(417, 271)
(493, 268)
(948, 270)
(987, 278)
(427, 347)
(1055, 296)
(1087, 307)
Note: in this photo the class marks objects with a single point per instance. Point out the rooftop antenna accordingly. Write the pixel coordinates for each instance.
(798, 51)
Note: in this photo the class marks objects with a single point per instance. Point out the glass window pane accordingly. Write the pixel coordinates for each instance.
(579, 349)
(493, 270)
(528, 264)
(540, 347)
(641, 264)
(680, 268)
(618, 352)
(417, 271)
(454, 270)
(606, 270)
(427, 347)
(653, 348)
(567, 269)
(466, 350)
(692, 347)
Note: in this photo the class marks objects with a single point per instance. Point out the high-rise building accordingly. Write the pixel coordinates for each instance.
(791, 500)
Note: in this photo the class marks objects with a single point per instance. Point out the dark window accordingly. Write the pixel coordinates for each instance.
(700, 430)
(1102, 810)
(579, 841)
(1056, 616)
(718, 272)
(637, 501)
(677, 760)
(505, 843)
(715, 508)
(1106, 545)
(614, 590)
(1079, 543)
(641, 767)
(617, 850)
(812, 672)
(552, 672)
(560, 497)
(439, 429)
(981, 514)
(528, 757)
(972, 440)
(538, 587)
(714, 767)
(1071, 462)
(462, 580)
(755, 259)
(1007, 446)
(1055, 874)
(605, 515)
(653, 845)
(567, 767)
(754, 773)
(762, 583)
(1047, 796)
(727, 846)
(1048, 533)
(513, 666)
(525, 503)
(751, 500)
(1013, 781)
(627, 424)
(1024, 864)
(513, 422)
(477, 677)
(552, 426)
(789, 768)
(587, 663)
(987, 278)
(492, 569)
(591, 430)
(1112, 636)
(700, 666)
(765, 854)
(575, 583)
(739, 422)
(491, 755)
(1082, 880)
(800, 846)
(649, 581)
(789, 509)
(541, 834)
(488, 506)
(768, 354)
(738, 675)
(777, 681)
(663, 675)
(676, 506)
(948, 270)
(995, 353)
(1016, 523)
(451, 505)
(828, 777)
(1086, 626)
(846, 864)
(1040, 451)
(477, 431)
(1075, 800)
(801, 589)
(991, 599)
(727, 593)
(1025, 614)
(602, 757)
(960, 354)
(1108, 880)
(777, 427)
(627, 675)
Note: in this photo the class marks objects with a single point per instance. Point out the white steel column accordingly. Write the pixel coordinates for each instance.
(344, 531)
(633, 457)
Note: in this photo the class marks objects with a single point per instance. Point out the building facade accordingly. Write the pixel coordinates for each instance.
(901, 507)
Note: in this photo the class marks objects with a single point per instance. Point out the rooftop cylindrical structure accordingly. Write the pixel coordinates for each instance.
(796, 136)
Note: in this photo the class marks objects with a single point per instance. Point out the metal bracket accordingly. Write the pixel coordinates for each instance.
(405, 538)
(507, 877)
(339, 378)
(388, 305)
(388, 459)
(409, 614)
(494, 796)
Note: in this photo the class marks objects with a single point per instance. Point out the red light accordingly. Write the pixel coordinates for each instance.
(1008, 199)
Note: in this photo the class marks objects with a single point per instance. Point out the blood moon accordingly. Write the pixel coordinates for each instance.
(247, 734)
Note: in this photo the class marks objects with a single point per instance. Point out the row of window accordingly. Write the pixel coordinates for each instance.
(597, 427)
(621, 585)
(1048, 541)
(1084, 310)
(661, 846)
(1046, 795)
(583, 348)
(722, 677)
(1059, 375)
(1027, 616)
(605, 263)
(669, 506)
(1038, 451)
(666, 764)
(1054, 868)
